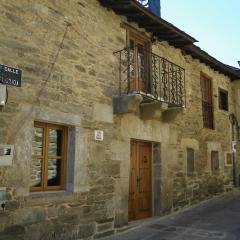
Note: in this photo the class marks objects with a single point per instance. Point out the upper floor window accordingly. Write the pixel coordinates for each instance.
(223, 99)
(48, 164)
(207, 102)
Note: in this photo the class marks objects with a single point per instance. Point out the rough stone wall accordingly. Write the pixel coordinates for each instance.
(189, 127)
(65, 49)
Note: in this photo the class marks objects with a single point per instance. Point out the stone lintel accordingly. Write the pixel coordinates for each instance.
(126, 103)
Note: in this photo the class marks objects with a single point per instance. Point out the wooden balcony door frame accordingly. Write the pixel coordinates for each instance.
(139, 63)
(140, 181)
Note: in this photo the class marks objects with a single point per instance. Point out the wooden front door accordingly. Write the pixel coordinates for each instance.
(138, 64)
(140, 182)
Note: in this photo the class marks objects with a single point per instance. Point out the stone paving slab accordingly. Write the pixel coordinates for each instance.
(216, 219)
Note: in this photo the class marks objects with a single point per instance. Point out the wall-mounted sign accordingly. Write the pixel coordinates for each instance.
(98, 135)
(10, 76)
(6, 155)
(3, 194)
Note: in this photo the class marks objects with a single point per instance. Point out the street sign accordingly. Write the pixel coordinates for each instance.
(10, 76)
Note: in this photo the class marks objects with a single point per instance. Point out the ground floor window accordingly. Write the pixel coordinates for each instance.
(190, 161)
(214, 161)
(49, 154)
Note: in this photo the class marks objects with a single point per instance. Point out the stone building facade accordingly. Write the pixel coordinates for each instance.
(70, 89)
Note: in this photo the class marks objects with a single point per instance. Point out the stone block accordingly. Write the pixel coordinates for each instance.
(12, 205)
(150, 111)
(126, 103)
(86, 230)
(42, 230)
(171, 114)
(120, 150)
(12, 233)
(121, 219)
(104, 227)
(102, 113)
(104, 220)
(28, 215)
(104, 234)
(111, 168)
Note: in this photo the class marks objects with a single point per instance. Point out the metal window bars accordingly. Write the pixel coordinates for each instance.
(154, 77)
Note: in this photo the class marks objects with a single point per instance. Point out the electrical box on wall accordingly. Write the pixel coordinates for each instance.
(6, 155)
(3, 94)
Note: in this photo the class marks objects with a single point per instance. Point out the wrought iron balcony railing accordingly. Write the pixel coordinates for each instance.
(152, 76)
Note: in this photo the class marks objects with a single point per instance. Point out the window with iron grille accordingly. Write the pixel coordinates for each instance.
(207, 103)
(214, 161)
(223, 99)
(190, 161)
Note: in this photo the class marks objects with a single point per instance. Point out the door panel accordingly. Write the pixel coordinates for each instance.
(132, 182)
(140, 182)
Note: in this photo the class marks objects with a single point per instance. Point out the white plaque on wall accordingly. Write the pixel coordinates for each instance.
(98, 135)
(6, 155)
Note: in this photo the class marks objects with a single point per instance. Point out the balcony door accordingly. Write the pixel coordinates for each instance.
(138, 64)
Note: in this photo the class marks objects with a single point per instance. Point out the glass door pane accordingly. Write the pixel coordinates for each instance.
(140, 51)
(132, 58)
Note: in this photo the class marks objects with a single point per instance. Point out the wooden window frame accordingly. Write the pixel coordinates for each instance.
(45, 157)
(220, 99)
(207, 101)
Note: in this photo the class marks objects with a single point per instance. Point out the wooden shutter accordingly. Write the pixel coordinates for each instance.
(207, 104)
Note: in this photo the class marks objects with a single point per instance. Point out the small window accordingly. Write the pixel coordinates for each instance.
(190, 160)
(215, 161)
(48, 164)
(223, 100)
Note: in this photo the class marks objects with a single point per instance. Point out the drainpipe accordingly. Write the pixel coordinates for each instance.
(234, 124)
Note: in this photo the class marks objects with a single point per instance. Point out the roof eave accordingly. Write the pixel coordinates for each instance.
(135, 12)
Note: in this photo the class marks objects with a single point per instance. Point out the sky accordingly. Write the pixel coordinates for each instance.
(214, 23)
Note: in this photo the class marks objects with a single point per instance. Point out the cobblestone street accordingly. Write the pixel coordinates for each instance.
(212, 220)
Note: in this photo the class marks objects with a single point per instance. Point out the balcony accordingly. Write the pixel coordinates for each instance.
(148, 80)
